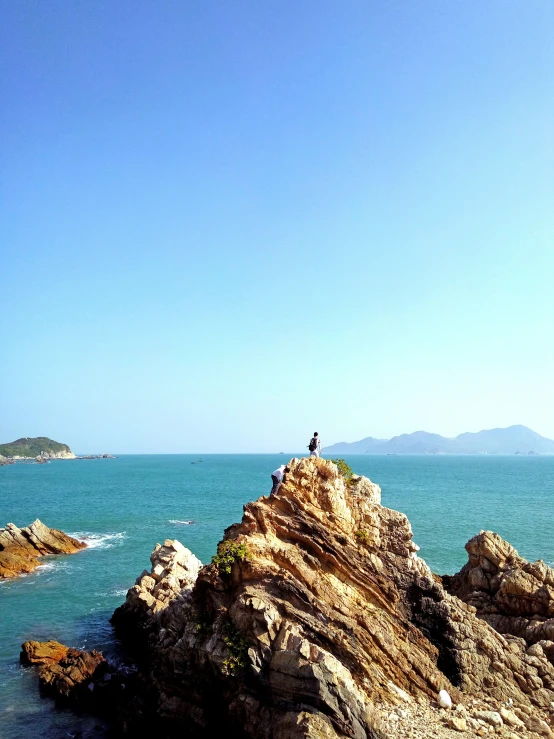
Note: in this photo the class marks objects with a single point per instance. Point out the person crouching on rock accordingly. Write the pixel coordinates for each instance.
(278, 478)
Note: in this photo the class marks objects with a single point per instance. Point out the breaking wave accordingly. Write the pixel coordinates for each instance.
(100, 541)
(176, 522)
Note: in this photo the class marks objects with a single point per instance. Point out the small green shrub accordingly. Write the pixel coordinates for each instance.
(238, 649)
(202, 626)
(362, 536)
(229, 552)
(344, 469)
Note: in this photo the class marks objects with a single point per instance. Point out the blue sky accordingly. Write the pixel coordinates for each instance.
(225, 225)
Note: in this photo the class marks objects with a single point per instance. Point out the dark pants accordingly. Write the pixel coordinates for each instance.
(276, 485)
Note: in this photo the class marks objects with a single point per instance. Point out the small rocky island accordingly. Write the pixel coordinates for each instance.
(40, 446)
(40, 450)
(21, 549)
(317, 619)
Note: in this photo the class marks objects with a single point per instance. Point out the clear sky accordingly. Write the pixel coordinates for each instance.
(227, 224)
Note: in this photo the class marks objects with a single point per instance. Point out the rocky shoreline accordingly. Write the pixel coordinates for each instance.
(317, 618)
(21, 549)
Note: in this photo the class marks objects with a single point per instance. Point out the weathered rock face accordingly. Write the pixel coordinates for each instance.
(316, 613)
(21, 548)
(514, 596)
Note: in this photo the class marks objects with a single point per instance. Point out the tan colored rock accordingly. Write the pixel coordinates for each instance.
(538, 726)
(510, 718)
(327, 614)
(457, 722)
(42, 653)
(492, 718)
(20, 549)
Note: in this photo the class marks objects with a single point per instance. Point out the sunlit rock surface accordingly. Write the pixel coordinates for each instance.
(20, 549)
(325, 620)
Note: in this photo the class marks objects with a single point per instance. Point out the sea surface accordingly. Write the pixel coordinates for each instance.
(123, 506)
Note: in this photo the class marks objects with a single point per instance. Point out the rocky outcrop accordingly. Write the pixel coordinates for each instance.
(20, 549)
(69, 675)
(317, 618)
(53, 455)
(514, 596)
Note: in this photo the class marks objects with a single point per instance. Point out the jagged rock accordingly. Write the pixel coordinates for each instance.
(20, 548)
(514, 596)
(64, 673)
(317, 612)
(72, 675)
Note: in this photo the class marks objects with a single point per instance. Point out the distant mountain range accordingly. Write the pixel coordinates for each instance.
(511, 440)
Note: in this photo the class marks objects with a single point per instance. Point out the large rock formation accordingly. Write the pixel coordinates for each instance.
(20, 549)
(514, 596)
(315, 619)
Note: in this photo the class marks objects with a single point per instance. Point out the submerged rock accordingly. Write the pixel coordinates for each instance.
(21, 548)
(315, 615)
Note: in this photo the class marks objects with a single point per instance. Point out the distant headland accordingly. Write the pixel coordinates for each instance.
(40, 446)
(40, 449)
(511, 440)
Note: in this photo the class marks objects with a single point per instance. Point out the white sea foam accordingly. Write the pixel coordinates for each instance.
(49, 565)
(100, 541)
(113, 593)
(176, 522)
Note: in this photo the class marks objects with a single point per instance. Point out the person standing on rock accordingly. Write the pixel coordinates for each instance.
(277, 478)
(315, 445)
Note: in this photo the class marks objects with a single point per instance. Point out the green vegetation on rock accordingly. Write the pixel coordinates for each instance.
(344, 469)
(229, 552)
(238, 649)
(362, 536)
(33, 447)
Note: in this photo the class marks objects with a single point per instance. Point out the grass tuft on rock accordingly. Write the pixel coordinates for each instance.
(229, 552)
(344, 469)
(362, 536)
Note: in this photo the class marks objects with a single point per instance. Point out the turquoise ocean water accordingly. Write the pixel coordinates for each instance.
(123, 506)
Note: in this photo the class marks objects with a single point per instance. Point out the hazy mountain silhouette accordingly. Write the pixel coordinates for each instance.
(511, 440)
